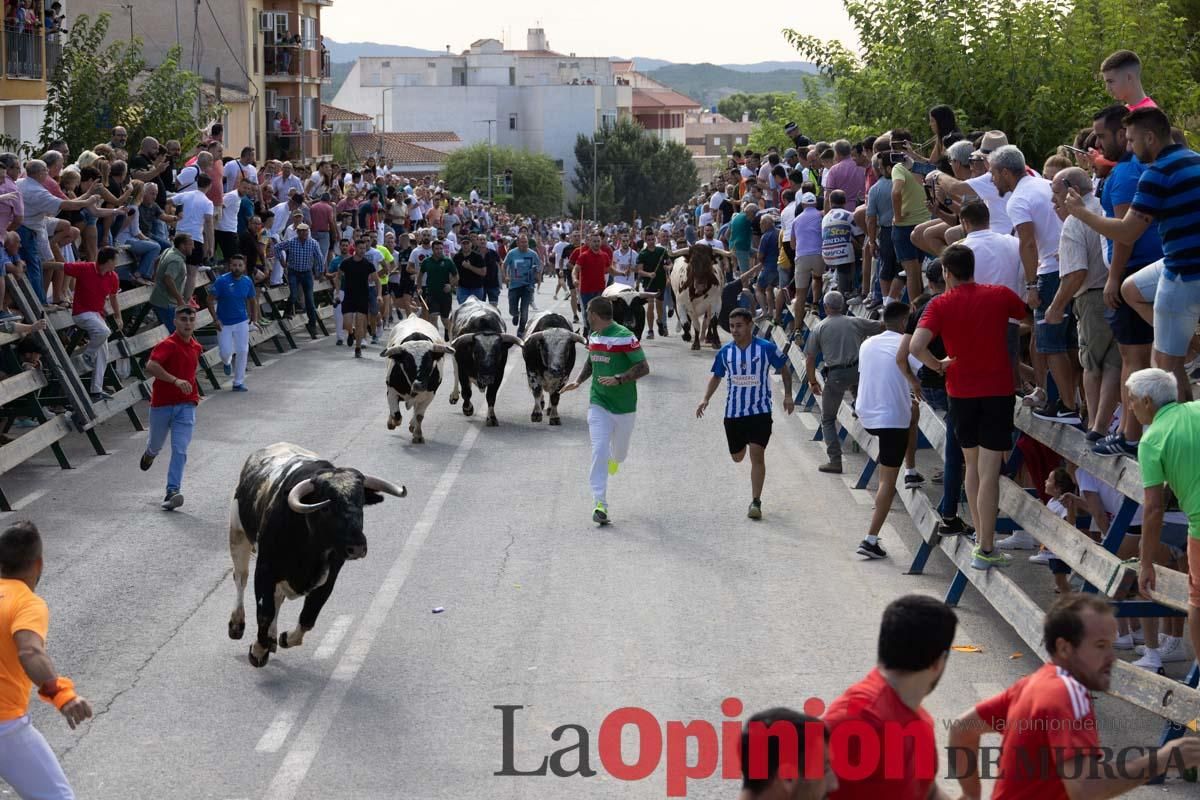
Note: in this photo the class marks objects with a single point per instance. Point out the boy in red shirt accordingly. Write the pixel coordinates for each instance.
(95, 284)
(592, 266)
(914, 644)
(1050, 745)
(173, 399)
(972, 321)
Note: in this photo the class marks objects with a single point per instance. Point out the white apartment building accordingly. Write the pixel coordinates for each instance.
(536, 99)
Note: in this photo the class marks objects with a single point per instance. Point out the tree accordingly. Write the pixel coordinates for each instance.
(758, 104)
(820, 116)
(94, 88)
(648, 175)
(537, 182)
(1029, 68)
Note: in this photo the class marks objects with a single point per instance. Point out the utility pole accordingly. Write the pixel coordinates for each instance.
(490, 123)
(129, 7)
(595, 144)
(383, 117)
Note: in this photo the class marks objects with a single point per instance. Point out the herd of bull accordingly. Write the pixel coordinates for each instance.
(303, 516)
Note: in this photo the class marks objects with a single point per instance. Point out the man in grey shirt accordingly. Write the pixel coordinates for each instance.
(836, 340)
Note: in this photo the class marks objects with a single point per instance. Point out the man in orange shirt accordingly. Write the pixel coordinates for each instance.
(1050, 745)
(27, 763)
(914, 644)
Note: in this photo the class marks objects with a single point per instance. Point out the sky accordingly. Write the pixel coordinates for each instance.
(626, 28)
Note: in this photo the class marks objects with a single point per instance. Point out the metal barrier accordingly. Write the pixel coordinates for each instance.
(1178, 703)
(55, 395)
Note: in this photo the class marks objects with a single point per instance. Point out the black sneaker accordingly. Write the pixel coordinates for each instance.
(172, 501)
(954, 526)
(662, 329)
(1094, 436)
(755, 510)
(358, 352)
(869, 550)
(146, 462)
(1115, 447)
(1058, 413)
(913, 480)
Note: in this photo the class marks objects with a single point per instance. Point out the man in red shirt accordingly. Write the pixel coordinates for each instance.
(592, 266)
(95, 285)
(1050, 746)
(914, 643)
(173, 399)
(972, 321)
(794, 766)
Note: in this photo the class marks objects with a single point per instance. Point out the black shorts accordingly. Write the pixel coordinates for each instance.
(401, 288)
(438, 304)
(355, 304)
(741, 431)
(887, 254)
(893, 444)
(1127, 325)
(568, 276)
(983, 421)
(196, 257)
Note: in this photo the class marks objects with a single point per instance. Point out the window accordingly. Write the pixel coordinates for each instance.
(512, 122)
(738, 140)
(312, 113)
(272, 100)
(458, 76)
(608, 120)
(284, 106)
(512, 76)
(716, 141)
(385, 65)
(308, 33)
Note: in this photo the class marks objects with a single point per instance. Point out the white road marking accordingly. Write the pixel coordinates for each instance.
(277, 732)
(337, 631)
(91, 462)
(307, 743)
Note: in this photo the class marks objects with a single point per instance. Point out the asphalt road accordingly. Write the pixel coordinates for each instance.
(681, 603)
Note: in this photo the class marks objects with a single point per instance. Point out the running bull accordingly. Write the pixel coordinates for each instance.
(629, 306)
(480, 353)
(304, 516)
(416, 349)
(549, 360)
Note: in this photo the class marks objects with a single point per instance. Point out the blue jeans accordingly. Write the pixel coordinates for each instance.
(298, 280)
(180, 422)
(519, 298)
(493, 294)
(166, 315)
(145, 251)
(323, 243)
(463, 294)
(584, 299)
(954, 465)
(31, 254)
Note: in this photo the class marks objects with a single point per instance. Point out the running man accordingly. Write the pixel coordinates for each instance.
(617, 359)
(232, 304)
(27, 763)
(173, 400)
(652, 265)
(356, 278)
(747, 361)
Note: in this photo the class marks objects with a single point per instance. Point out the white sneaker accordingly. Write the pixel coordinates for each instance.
(1123, 642)
(1150, 661)
(1171, 650)
(1021, 540)
(1041, 557)
(1034, 399)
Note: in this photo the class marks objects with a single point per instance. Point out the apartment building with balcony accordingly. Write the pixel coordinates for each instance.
(295, 64)
(29, 52)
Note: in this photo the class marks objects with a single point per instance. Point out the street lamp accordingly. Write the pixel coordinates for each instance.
(490, 123)
(383, 117)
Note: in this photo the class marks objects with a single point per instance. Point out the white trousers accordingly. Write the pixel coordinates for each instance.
(28, 765)
(97, 330)
(337, 313)
(610, 441)
(235, 340)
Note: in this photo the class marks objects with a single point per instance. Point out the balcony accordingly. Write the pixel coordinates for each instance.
(326, 67)
(282, 61)
(325, 146)
(300, 147)
(53, 54)
(23, 53)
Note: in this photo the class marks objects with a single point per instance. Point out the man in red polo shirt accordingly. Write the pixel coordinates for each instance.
(95, 285)
(173, 399)
(592, 267)
(972, 320)
(1050, 745)
(914, 644)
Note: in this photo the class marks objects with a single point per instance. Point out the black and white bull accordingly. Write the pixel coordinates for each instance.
(304, 517)
(629, 306)
(480, 353)
(549, 361)
(416, 349)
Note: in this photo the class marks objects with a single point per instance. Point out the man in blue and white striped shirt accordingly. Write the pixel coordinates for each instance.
(747, 361)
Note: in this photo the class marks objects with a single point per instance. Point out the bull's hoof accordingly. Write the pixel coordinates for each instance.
(237, 629)
(254, 662)
(283, 640)
(418, 439)
(687, 336)
(453, 399)
(695, 344)
(492, 422)
(535, 416)
(393, 422)
(556, 421)
(468, 409)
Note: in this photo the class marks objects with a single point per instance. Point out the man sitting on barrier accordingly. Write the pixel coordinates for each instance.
(95, 285)
(1167, 455)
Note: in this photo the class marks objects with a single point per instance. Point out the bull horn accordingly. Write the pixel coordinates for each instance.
(296, 498)
(462, 341)
(442, 347)
(535, 337)
(387, 487)
(511, 339)
(578, 338)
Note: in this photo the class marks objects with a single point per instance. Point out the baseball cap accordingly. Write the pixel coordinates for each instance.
(791, 151)
(808, 199)
(303, 226)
